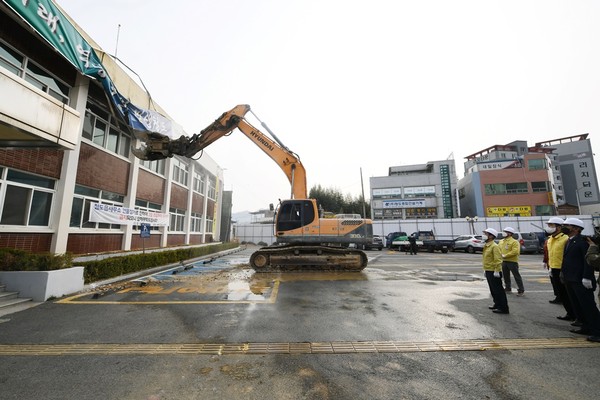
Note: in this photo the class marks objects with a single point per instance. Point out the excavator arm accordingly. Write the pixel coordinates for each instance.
(156, 147)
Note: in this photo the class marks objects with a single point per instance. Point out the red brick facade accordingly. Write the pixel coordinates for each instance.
(150, 187)
(197, 203)
(138, 243)
(94, 243)
(176, 240)
(101, 170)
(38, 161)
(179, 197)
(34, 242)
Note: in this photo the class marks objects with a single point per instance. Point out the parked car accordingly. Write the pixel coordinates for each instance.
(469, 243)
(377, 243)
(529, 241)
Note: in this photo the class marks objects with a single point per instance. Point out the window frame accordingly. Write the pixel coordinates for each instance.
(31, 190)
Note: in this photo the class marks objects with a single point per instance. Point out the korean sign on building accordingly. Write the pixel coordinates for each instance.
(403, 203)
(111, 214)
(516, 211)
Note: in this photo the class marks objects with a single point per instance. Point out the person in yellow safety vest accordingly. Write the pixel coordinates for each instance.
(492, 266)
(510, 249)
(555, 245)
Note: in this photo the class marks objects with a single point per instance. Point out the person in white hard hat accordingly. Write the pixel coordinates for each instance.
(492, 265)
(511, 249)
(553, 257)
(579, 280)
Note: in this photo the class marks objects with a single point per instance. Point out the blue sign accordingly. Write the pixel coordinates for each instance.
(145, 230)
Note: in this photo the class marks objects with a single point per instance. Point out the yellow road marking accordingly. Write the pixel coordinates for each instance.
(291, 348)
(270, 300)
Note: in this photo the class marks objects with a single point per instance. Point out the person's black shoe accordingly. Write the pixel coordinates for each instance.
(493, 307)
(567, 318)
(581, 331)
(500, 311)
(555, 301)
(594, 339)
(577, 323)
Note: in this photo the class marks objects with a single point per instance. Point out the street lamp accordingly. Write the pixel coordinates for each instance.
(471, 222)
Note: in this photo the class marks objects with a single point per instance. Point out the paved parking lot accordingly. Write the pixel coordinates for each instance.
(406, 327)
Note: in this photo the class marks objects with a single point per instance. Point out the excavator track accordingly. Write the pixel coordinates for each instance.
(307, 258)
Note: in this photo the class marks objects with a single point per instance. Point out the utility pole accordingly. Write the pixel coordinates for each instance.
(363, 194)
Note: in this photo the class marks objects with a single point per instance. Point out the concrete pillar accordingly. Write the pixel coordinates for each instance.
(167, 199)
(129, 202)
(63, 200)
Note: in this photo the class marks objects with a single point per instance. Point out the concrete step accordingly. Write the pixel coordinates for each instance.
(8, 295)
(9, 301)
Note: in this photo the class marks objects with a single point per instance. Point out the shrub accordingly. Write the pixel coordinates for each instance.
(20, 260)
(120, 265)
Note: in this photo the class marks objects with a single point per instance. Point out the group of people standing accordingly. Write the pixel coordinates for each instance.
(570, 259)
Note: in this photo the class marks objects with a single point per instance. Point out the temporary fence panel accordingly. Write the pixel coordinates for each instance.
(442, 228)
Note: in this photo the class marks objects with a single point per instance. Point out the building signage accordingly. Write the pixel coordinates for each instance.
(50, 23)
(420, 190)
(387, 192)
(110, 214)
(403, 203)
(498, 165)
(516, 211)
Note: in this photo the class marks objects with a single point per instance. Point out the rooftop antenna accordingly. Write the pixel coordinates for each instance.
(117, 44)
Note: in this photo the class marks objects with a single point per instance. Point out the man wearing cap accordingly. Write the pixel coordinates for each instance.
(510, 249)
(553, 257)
(579, 279)
(492, 265)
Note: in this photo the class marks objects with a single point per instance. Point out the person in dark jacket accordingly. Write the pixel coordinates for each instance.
(579, 279)
(412, 244)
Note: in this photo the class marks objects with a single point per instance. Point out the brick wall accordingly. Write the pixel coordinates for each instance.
(152, 242)
(195, 239)
(44, 162)
(150, 187)
(101, 170)
(197, 203)
(34, 242)
(93, 243)
(178, 197)
(176, 240)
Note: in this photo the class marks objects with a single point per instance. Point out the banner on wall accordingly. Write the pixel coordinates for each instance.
(111, 214)
(516, 211)
(50, 23)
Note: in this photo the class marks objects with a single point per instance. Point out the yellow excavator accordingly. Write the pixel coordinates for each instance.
(304, 240)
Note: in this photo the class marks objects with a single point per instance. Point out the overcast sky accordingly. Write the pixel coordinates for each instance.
(354, 84)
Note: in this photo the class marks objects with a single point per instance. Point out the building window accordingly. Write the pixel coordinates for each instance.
(212, 188)
(209, 225)
(106, 131)
(544, 210)
(199, 182)
(537, 187)
(176, 220)
(23, 67)
(27, 198)
(196, 222)
(537, 164)
(147, 206)
(82, 200)
(506, 188)
(157, 166)
(180, 172)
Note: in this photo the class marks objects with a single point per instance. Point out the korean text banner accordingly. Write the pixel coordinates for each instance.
(49, 22)
(110, 214)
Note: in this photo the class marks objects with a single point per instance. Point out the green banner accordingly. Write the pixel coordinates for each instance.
(50, 23)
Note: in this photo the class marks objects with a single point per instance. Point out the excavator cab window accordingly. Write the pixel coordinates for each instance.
(294, 214)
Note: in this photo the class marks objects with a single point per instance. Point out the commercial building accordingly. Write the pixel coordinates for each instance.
(415, 191)
(65, 145)
(518, 180)
(575, 174)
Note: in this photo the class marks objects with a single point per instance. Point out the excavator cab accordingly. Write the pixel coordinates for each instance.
(294, 214)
